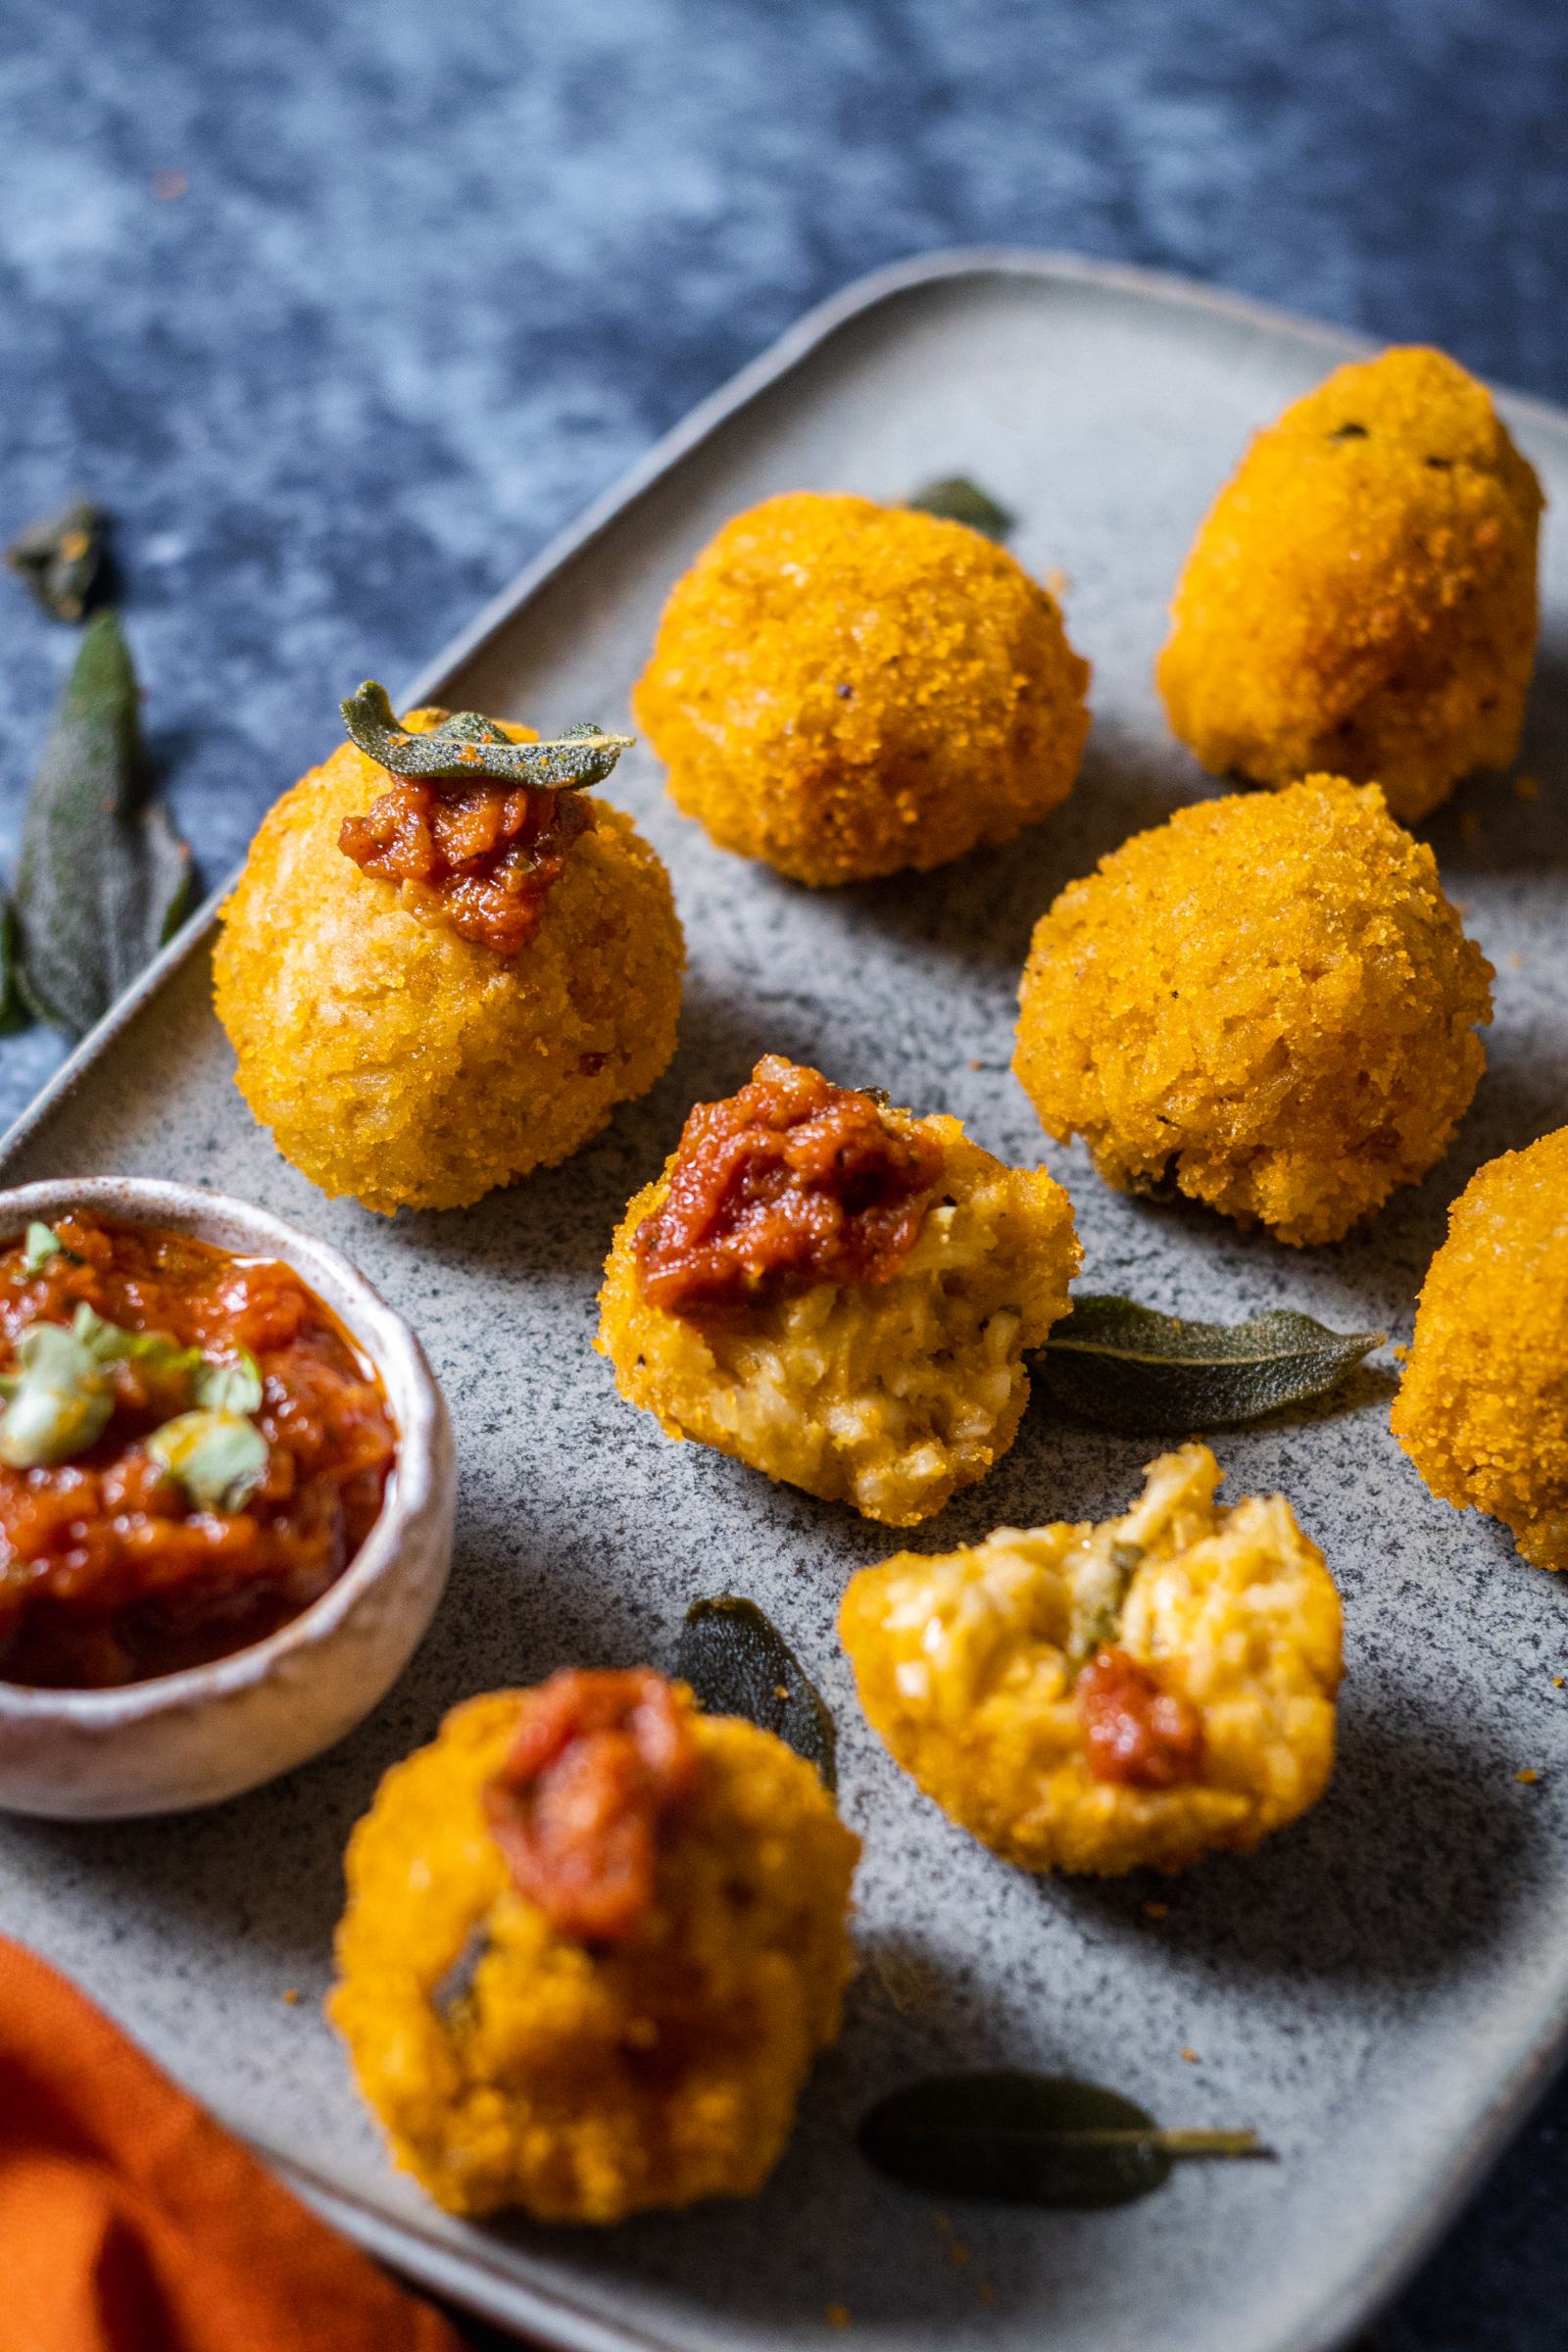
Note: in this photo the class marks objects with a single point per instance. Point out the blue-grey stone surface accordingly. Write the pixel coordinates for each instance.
(344, 310)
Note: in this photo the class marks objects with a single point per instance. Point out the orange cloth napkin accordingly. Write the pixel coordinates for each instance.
(131, 2222)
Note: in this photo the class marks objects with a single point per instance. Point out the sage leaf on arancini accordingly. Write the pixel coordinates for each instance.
(103, 879)
(1031, 2139)
(955, 499)
(739, 1663)
(466, 749)
(1127, 1367)
(60, 558)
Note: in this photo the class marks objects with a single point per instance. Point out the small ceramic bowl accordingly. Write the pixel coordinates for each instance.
(209, 1731)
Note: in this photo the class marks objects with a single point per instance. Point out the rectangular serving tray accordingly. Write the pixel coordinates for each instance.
(1381, 1990)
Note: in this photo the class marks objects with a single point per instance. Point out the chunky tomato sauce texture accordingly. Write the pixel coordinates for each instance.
(1135, 1731)
(482, 858)
(789, 1183)
(107, 1574)
(601, 1758)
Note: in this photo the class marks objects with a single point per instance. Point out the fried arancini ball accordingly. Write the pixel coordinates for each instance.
(844, 688)
(888, 1393)
(586, 2081)
(1267, 1002)
(406, 1065)
(1483, 1406)
(1361, 596)
(1097, 1698)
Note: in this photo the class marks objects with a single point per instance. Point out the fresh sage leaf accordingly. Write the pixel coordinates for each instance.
(739, 1663)
(220, 1459)
(233, 1385)
(59, 559)
(955, 499)
(61, 1400)
(154, 1350)
(103, 878)
(1126, 1367)
(39, 1244)
(1031, 2139)
(466, 749)
(14, 1011)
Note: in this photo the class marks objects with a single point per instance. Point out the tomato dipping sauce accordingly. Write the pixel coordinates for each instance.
(482, 858)
(599, 1759)
(788, 1183)
(1135, 1731)
(140, 1549)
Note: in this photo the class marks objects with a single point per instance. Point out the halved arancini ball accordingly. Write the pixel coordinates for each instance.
(398, 1061)
(593, 1941)
(844, 688)
(1099, 1699)
(837, 1291)
(1267, 1003)
(1361, 596)
(1483, 1406)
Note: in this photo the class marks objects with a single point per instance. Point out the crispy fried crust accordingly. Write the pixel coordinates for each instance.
(890, 1396)
(1361, 596)
(583, 2084)
(1483, 1406)
(408, 1068)
(1267, 1002)
(844, 689)
(963, 1670)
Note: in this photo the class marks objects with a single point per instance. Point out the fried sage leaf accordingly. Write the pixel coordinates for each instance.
(1031, 2139)
(103, 878)
(739, 1663)
(60, 557)
(955, 499)
(466, 749)
(1126, 1367)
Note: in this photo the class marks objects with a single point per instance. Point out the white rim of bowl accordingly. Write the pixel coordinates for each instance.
(389, 1343)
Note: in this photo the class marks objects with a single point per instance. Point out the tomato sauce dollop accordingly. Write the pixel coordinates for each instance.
(788, 1183)
(108, 1573)
(482, 858)
(1135, 1731)
(599, 1759)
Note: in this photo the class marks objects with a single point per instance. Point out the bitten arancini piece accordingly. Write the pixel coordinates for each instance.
(844, 689)
(837, 1292)
(1361, 596)
(1483, 1406)
(582, 2078)
(403, 1063)
(1267, 1002)
(1102, 1699)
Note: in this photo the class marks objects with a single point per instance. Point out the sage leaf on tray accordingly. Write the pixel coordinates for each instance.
(955, 499)
(466, 749)
(103, 878)
(60, 558)
(739, 1663)
(1031, 2139)
(1127, 1367)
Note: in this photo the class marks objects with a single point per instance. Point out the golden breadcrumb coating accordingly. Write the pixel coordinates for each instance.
(586, 2082)
(966, 1667)
(398, 1063)
(1267, 1002)
(888, 1396)
(844, 689)
(1483, 1406)
(1361, 596)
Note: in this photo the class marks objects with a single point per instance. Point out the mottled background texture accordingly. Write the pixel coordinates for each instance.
(344, 308)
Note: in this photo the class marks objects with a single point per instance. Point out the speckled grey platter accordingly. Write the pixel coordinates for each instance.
(1379, 1989)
